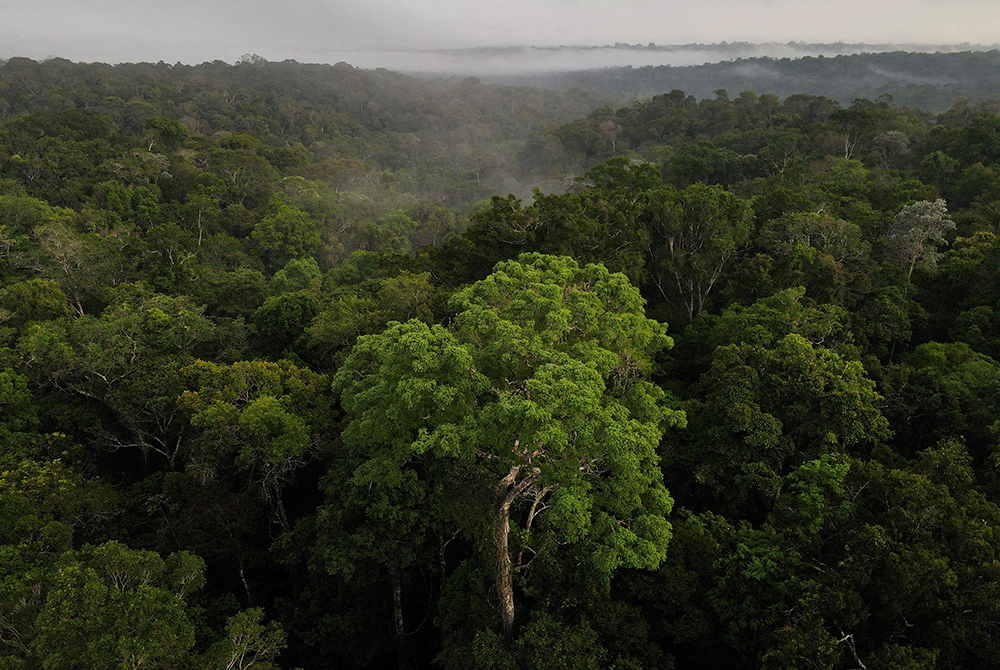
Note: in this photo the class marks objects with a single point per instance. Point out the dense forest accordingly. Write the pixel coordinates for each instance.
(297, 372)
(931, 81)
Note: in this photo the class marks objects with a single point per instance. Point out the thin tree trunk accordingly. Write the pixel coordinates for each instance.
(397, 616)
(442, 563)
(505, 573)
(282, 517)
(246, 586)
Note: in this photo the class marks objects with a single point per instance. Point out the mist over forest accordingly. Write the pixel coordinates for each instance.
(927, 78)
(515, 61)
(613, 358)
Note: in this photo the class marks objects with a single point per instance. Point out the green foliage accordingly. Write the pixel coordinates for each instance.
(99, 606)
(547, 643)
(297, 275)
(695, 234)
(500, 446)
(43, 503)
(128, 360)
(535, 389)
(108, 607)
(248, 643)
(917, 232)
(32, 300)
(16, 404)
(945, 391)
(261, 418)
(602, 223)
(772, 398)
(285, 234)
(283, 319)
(366, 298)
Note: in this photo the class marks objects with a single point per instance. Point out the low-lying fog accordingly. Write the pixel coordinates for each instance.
(500, 61)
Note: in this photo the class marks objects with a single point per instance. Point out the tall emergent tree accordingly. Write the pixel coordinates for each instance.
(694, 233)
(528, 416)
(917, 232)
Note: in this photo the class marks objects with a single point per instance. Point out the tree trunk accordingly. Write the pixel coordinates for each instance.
(397, 615)
(505, 573)
(246, 586)
(508, 491)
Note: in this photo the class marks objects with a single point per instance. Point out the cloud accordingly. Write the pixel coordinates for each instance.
(190, 31)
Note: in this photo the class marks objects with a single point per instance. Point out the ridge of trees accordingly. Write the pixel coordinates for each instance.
(931, 81)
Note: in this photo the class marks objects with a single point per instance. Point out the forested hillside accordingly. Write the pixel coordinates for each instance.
(932, 81)
(450, 141)
(282, 386)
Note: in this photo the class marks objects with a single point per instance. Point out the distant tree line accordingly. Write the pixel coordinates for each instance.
(931, 81)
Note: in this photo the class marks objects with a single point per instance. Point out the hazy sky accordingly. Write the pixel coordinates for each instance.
(317, 30)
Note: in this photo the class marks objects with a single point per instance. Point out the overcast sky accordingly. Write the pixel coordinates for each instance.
(193, 31)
